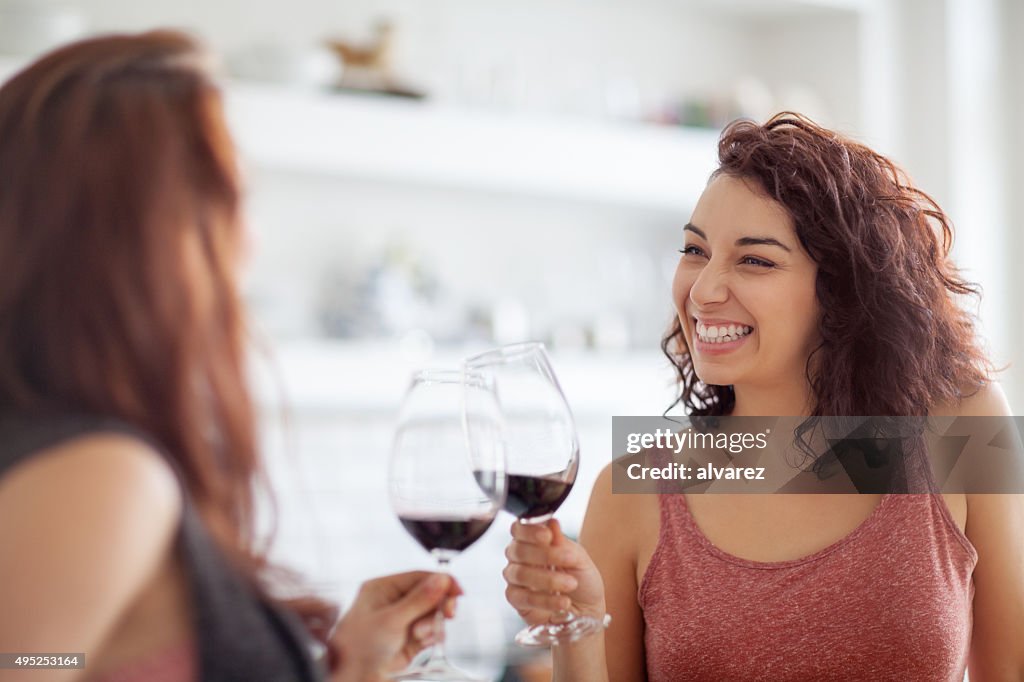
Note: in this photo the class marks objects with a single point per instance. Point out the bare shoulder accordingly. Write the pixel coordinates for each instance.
(112, 468)
(101, 488)
(85, 526)
(988, 401)
(618, 519)
(995, 526)
(615, 507)
(614, 535)
(604, 512)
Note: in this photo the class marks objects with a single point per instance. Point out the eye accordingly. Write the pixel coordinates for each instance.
(758, 262)
(692, 250)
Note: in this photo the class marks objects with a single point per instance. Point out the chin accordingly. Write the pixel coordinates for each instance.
(717, 376)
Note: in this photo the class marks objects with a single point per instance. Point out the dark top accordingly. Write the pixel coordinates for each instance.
(240, 637)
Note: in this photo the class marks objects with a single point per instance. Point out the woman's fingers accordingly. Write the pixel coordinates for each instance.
(424, 631)
(538, 578)
(535, 606)
(525, 553)
(538, 534)
(565, 556)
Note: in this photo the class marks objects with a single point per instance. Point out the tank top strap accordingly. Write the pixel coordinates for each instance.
(930, 517)
(677, 533)
(22, 436)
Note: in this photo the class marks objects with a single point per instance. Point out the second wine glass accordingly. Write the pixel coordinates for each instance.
(541, 454)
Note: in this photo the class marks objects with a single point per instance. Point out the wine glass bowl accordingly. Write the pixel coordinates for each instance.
(535, 499)
(542, 449)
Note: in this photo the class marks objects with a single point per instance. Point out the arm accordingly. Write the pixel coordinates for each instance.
(597, 575)
(83, 528)
(609, 535)
(995, 526)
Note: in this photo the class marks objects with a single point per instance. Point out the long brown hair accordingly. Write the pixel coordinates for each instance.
(119, 240)
(895, 342)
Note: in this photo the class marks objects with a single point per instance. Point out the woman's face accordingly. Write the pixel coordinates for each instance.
(744, 289)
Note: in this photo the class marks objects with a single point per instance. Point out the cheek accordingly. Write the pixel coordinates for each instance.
(790, 324)
(808, 311)
(681, 284)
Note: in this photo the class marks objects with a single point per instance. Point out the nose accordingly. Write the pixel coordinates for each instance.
(711, 287)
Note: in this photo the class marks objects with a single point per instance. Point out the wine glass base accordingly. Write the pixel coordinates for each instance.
(552, 634)
(435, 671)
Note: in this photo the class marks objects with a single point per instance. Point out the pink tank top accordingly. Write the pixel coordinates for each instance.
(890, 601)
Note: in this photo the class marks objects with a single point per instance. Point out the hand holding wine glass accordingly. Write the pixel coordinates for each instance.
(447, 478)
(542, 456)
(547, 573)
(391, 619)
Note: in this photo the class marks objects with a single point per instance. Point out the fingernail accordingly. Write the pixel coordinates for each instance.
(423, 630)
(436, 581)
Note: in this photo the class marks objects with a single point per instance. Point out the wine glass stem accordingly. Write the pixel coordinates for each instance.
(437, 653)
(561, 616)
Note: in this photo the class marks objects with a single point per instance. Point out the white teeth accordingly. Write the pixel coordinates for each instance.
(722, 334)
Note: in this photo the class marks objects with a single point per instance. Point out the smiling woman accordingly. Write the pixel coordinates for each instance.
(864, 248)
(814, 281)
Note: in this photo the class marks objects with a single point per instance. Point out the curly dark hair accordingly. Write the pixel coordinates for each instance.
(895, 342)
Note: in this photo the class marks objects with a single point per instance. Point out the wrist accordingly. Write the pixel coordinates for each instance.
(351, 671)
(347, 666)
(595, 611)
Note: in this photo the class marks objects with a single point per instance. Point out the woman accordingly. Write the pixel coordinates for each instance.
(813, 281)
(128, 455)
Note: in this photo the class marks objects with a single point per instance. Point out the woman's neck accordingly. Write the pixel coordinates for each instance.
(780, 400)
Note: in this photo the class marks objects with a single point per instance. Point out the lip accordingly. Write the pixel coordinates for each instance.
(706, 348)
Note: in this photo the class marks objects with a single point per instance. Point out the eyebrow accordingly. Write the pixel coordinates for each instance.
(742, 241)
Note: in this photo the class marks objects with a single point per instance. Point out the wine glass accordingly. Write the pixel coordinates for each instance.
(542, 456)
(446, 479)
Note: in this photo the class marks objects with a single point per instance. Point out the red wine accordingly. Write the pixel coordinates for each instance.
(453, 535)
(532, 496)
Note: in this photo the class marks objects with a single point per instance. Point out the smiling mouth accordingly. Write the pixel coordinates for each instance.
(720, 333)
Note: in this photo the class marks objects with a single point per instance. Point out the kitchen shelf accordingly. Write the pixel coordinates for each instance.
(367, 378)
(374, 138)
(379, 139)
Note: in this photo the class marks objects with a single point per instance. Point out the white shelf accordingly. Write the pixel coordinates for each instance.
(379, 139)
(367, 379)
(412, 142)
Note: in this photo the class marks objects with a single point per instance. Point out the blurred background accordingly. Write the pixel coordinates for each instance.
(429, 178)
